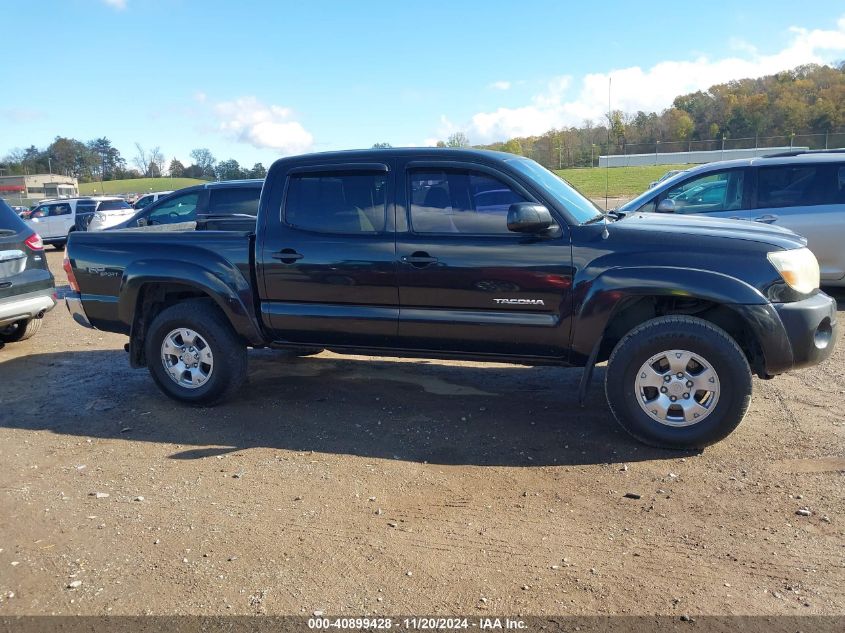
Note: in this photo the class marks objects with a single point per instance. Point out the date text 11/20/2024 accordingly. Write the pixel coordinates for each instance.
(417, 623)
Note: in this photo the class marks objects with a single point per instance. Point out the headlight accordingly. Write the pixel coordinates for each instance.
(798, 267)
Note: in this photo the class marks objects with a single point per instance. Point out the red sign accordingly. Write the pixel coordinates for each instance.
(11, 188)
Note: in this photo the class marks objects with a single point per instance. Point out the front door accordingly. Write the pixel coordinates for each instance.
(467, 283)
(327, 259)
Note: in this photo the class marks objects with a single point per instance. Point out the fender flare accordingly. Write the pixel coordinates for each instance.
(223, 283)
(611, 290)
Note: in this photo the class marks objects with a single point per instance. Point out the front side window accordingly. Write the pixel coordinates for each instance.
(143, 201)
(39, 212)
(790, 186)
(710, 193)
(460, 201)
(337, 202)
(179, 209)
(230, 200)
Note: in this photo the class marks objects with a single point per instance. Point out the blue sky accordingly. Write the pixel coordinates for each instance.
(255, 80)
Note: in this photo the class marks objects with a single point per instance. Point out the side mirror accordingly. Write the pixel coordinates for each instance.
(667, 205)
(528, 217)
(142, 221)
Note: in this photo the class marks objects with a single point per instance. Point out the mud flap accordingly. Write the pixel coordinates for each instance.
(587, 376)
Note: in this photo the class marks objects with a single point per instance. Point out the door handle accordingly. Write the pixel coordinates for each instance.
(419, 259)
(287, 256)
(767, 219)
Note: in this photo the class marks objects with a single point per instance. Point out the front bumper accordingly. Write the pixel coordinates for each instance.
(811, 328)
(73, 302)
(793, 335)
(26, 306)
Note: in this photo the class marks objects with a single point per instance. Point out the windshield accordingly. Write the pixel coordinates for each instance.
(579, 207)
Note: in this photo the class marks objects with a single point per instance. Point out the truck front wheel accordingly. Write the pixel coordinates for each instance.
(193, 354)
(678, 382)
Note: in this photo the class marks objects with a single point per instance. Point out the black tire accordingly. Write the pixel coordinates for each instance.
(695, 335)
(20, 331)
(229, 355)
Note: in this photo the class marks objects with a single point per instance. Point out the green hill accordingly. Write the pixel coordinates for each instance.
(136, 185)
(621, 181)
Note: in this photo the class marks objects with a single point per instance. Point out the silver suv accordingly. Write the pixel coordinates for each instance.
(803, 191)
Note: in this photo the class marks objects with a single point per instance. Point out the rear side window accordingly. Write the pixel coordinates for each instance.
(460, 201)
(229, 200)
(85, 207)
(9, 220)
(792, 186)
(337, 202)
(113, 205)
(60, 209)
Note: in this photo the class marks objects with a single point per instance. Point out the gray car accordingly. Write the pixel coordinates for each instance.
(800, 191)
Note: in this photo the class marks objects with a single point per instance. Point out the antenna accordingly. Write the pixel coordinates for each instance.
(607, 158)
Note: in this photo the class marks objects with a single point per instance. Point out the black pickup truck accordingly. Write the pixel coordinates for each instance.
(466, 254)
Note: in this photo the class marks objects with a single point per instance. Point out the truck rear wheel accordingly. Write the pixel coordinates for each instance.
(194, 355)
(678, 382)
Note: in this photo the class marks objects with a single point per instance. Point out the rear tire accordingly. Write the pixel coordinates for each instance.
(20, 331)
(690, 404)
(221, 366)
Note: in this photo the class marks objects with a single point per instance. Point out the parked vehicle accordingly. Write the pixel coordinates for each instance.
(54, 220)
(148, 199)
(665, 176)
(386, 252)
(231, 205)
(26, 284)
(110, 212)
(801, 191)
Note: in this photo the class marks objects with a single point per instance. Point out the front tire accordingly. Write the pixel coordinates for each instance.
(193, 354)
(20, 331)
(678, 382)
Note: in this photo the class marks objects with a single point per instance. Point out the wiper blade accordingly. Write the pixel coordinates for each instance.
(598, 218)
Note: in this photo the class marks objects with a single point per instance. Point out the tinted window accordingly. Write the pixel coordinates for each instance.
(143, 201)
(337, 202)
(113, 205)
(9, 220)
(40, 211)
(85, 207)
(709, 193)
(789, 186)
(234, 200)
(460, 201)
(840, 183)
(178, 209)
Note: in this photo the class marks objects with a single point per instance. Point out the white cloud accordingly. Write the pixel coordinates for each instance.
(120, 5)
(651, 89)
(200, 96)
(500, 85)
(248, 120)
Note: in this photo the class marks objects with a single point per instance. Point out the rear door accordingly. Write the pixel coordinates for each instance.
(467, 283)
(61, 219)
(808, 198)
(327, 255)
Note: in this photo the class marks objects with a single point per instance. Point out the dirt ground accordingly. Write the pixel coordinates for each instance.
(375, 486)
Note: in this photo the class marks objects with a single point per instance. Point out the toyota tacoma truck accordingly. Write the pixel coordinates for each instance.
(466, 254)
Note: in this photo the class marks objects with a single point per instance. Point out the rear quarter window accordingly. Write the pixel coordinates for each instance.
(232, 200)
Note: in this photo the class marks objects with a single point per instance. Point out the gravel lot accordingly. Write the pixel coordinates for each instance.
(383, 486)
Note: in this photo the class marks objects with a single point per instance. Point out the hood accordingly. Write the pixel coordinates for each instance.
(712, 227)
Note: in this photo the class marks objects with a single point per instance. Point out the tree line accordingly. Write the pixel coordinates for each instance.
(98, 160)
(807, 100)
